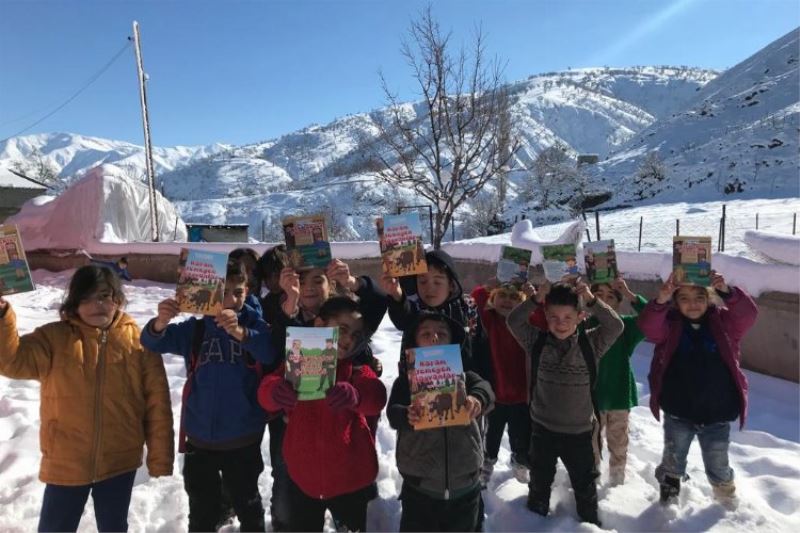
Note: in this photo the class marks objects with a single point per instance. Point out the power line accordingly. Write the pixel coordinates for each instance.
(85, 86)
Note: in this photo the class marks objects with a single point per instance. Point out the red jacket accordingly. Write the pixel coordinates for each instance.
(662, 325)
(329, 453)
(509, 379)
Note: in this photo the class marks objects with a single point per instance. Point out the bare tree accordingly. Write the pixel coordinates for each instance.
(553, 167)
(37, 167)
(651, 172)
(449, 145)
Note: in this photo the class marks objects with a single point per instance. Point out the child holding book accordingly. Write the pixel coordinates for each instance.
(328, 448)
(695, 377)
(103, 397)
(440, 467)
(507, 376)
(222, 422)
(562, 363)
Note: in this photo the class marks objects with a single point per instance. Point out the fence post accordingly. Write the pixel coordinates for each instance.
(641, 220)
(588, 235)
(722, 222)
(677, 227)
(756, 220)
(794, 224)
(597, 223)
(263, 230)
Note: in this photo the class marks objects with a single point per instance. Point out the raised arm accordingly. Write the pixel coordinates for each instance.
(28, 357)
(517, 321)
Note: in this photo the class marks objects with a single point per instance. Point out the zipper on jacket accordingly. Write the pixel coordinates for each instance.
(446, 469)
(98, 398)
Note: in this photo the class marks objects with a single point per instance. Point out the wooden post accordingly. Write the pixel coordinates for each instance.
(756, 220)
(794, 224)
(263, 230)
(597, 223)
(677, 227)
(722, 227)
(588, 235)
(641, 221)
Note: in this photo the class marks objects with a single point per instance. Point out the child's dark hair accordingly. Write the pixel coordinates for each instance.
(562, 294)
(617, 294)
(85, 282)
(123, 260)
(274, 260)
(338, 305)
(239, 253)
(236, 272)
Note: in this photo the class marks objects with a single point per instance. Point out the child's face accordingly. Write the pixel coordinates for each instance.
(234, 296)
(562, 320)
(692, 302)
(98, 309)
(605, 293)
(351, 331)
(432, 333)
(433, 287)
(314, 289)
(506, 300)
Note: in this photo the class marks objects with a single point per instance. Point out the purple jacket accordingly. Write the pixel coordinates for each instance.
(662, 325)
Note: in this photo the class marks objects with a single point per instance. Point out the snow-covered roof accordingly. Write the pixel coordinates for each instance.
(15, 181)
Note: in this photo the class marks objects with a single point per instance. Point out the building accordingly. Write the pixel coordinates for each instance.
(15, 190)
(587, 159)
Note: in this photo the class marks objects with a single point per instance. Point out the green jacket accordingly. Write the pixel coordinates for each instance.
(616, 386)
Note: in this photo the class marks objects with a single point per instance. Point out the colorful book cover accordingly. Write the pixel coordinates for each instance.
(15, 275)
(307, 241)
(559, 261)
(311, 360)
(512, 267)
(438, 386)
(691, 260)
(600, 261)
(201, 281)
(400, 238)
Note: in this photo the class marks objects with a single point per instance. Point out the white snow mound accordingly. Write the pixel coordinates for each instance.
(778, 246)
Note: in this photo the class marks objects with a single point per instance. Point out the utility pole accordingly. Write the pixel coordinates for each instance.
(148, 147)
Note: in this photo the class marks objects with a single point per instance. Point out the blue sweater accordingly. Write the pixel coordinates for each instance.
(221, 411)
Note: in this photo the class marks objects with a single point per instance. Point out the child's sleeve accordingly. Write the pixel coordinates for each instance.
(739, 314)
(399, 401)
(265, 388)
(517, 321)
(633, 335)
(607, 331)
(400, 313)
(371, 392)
(175, 338)
(159, 435)
(481, 297)
(258, 340)
(481, 389)
(373, 303)
(28, 357)
(652, 321)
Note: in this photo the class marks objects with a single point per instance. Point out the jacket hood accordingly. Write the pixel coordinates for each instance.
(442, 259)
(457, 333)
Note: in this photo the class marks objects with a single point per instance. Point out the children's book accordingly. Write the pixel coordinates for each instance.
(600, 261)
(311, 360)
(559, 261)
(307, 241)
(400, 238)
(512, 267)
(691, 260)
(438, 386)
(15, 275)
(201, 281)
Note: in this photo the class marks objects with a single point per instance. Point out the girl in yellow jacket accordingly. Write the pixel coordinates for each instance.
(103, 397)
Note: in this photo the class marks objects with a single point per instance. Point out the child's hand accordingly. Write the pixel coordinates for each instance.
(619, 285)
(717, 282)
(666, 290)
(529, 290)
(391, 286)
(289, 281)
(473, 407)
(542, 292)
(343, 395)
(284, 395)
(583, 291)
(339, 271)
(414, 415)
(167, 310)
(227, 320)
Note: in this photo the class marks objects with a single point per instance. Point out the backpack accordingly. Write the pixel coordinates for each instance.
(194, 355)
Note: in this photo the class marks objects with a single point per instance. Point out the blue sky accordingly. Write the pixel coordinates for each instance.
(241, 72)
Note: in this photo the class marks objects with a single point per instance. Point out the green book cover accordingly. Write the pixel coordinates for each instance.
(311, 360)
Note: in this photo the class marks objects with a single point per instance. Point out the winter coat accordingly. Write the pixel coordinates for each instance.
(102, 398)
(221, 410)
(330, 452)
(662, 325)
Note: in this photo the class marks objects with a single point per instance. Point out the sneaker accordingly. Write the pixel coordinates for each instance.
(670, 488)
(520, 470)
(486, 471)
(538, 506)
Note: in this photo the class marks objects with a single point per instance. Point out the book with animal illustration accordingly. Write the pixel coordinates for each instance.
(201, 281)
(311, 360)
(400, 238)
(438, 387)
(600, 261)
(15, 275)
(559, 260)
(691, 260)
(512, 267)
(307, 241)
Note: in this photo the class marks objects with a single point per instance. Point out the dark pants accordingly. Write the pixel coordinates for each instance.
(279, 501)
(576, 452)
(240, 469)
(62, 506)
(308, 514)
(424, 513)
(518, 418)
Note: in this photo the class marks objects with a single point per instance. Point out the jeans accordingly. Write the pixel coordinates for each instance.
(714, 440)
(424, 513)
(279, 501)
(62, 506)
(308, 514)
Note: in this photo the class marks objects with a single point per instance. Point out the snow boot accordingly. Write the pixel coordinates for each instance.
(538, 505)
(725, 494)
(486, 471)
(670, 487)
(520, 470)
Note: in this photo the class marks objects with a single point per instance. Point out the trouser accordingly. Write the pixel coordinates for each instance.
(62, 505)
(575, 451)
(279, 501)
(714, 440)
(615, 425)
(240, 469)
(425, 513)
(308, 514)
(518, 418)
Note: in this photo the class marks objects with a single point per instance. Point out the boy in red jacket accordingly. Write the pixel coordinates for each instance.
(328, 448)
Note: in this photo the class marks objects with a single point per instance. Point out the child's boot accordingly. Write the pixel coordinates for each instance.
(520, 469)
(670, 487)
(725, 494)
(538, 503)
(616, 477)
(486, 471)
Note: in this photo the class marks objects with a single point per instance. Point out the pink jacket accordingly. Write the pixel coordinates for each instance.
(662, 325)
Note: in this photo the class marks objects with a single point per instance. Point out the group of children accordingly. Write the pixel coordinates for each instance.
(533, 362)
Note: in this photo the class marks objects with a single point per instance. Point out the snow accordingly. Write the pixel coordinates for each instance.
(783, 248)
(765, 456)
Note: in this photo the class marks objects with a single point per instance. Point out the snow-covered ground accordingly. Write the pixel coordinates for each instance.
(766, 456)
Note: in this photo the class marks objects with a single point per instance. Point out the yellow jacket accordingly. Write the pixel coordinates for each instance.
(103, 397)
